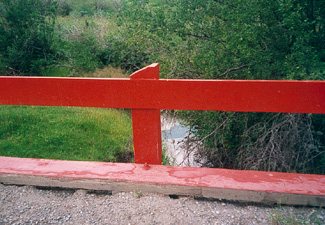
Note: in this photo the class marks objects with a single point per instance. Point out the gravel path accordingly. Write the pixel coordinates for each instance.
(31, 205)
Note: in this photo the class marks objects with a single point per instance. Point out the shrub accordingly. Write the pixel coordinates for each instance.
(77, 44)
(26, 32)
(64, 8)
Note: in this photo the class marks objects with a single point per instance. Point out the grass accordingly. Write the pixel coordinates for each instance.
(166, 160)
(85, 7)
(56, 72)
(281, 216)
(65, 133)
(108, 72)
(69, 133)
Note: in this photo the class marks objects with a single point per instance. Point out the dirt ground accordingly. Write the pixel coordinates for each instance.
(32, 205)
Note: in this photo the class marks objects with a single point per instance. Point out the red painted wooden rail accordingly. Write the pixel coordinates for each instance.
(146, 94)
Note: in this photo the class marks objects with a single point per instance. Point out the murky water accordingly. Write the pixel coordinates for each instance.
(173, 136)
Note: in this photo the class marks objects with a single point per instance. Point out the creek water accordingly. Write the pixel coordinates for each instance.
(174, 138)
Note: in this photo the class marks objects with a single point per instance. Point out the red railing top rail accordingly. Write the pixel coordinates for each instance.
(153, 93)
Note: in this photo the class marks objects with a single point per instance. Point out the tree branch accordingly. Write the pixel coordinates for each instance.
(193, 35)
(232, 70)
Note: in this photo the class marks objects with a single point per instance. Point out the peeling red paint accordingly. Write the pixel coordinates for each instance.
(307, 184)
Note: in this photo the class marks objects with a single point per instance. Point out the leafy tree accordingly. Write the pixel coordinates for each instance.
(26, 31)
(255, 40)
(240, 39)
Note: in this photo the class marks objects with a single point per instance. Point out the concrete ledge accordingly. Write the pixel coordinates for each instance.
(252, 186)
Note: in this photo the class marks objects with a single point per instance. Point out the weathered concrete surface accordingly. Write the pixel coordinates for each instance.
(252, 186)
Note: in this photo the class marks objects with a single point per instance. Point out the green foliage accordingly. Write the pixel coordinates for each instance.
(26, 32)
(65, 133)
(127, 53)
(2, 65)
(79, 44)
(64, 8)
(167, 161)
(138, 194)
(239, 39)
(80, 8)
(282, 216)
(56, 71)
(91, 7)
(83, 52)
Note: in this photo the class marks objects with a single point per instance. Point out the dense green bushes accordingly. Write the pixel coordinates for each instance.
(86, 37)
(32, 39)
(26, 35)
(86, 43)
(64, 8)
(241, 40)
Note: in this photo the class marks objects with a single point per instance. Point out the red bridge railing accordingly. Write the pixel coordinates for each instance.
(146, 95)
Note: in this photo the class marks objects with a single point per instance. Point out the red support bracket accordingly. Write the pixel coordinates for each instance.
(146, 124)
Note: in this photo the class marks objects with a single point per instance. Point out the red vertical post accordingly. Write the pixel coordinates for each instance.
(146, 124)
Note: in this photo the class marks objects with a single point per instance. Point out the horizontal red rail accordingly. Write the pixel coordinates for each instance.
(218, 95)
